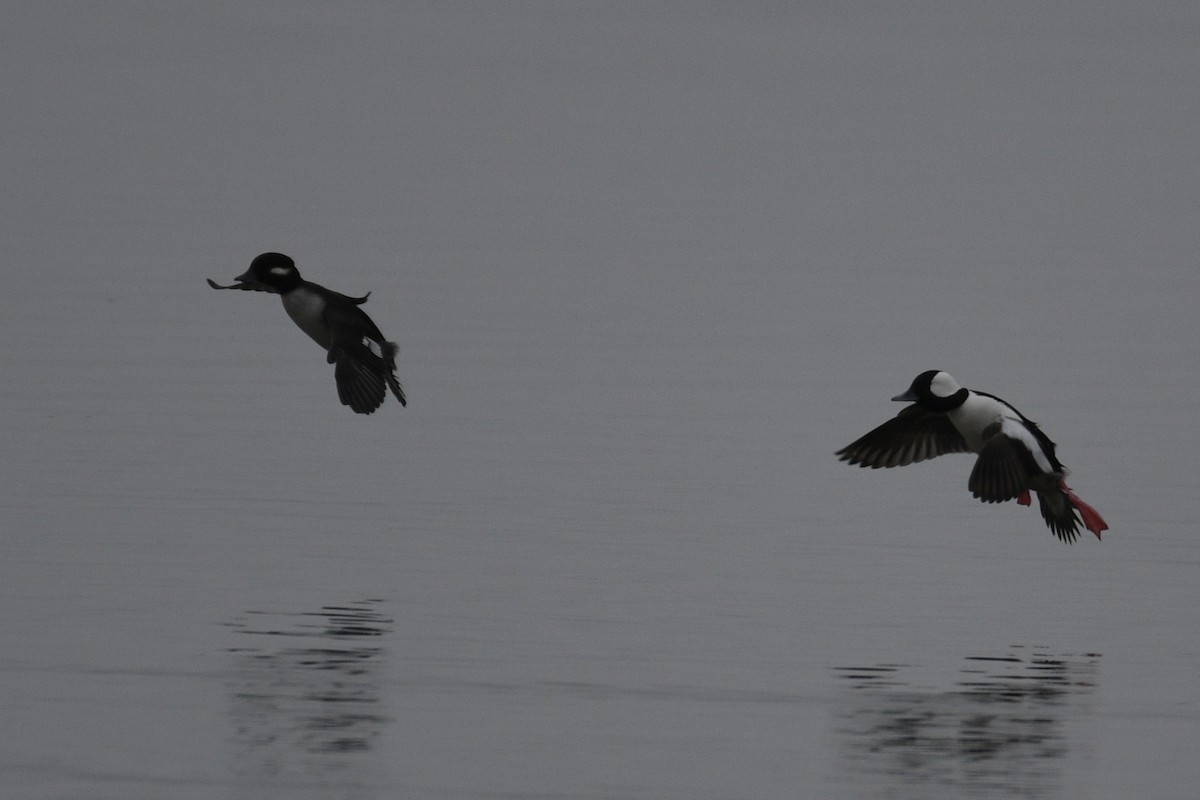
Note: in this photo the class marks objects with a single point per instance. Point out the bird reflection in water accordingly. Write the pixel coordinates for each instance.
(305, 693)
(1000, 732)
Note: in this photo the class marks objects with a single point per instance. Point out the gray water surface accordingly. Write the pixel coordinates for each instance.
(649, 265)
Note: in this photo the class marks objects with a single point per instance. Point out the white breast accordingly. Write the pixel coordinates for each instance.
(306, 309)
(974, 415)
(979, 411)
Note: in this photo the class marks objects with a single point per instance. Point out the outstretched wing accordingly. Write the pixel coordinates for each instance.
(245, 286)
(912, 435)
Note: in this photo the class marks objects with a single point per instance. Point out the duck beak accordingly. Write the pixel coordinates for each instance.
(908, 397)
(245, 277)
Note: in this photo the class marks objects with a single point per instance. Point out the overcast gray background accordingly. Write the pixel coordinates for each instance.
(649, 265)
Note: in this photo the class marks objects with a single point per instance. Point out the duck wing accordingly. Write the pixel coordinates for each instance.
(912, 435)
(1002, 470)
(365, 362)
(245, 286)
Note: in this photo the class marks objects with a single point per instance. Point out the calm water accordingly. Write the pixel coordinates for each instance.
(650, 266)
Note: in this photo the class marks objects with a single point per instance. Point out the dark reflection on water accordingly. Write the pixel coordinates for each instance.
(306, 699)
(999, 733)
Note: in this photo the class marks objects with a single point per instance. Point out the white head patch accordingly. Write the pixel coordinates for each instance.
(943, 385)
(281, 270)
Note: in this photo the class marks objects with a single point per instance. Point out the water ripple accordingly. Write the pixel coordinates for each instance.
(1001, 731)
(305, 696)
